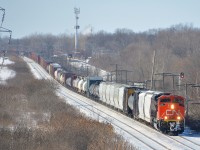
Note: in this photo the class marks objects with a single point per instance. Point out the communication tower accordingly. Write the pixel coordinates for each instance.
(77, 12)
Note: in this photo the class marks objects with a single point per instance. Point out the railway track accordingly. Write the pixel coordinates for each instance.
(142, 136)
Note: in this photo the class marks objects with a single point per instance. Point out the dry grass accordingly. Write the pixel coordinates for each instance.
(32, 117)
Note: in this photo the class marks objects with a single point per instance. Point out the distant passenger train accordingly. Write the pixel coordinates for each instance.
(163, 111)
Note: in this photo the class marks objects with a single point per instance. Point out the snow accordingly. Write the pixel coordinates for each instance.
(35, 74)
(6, 61)
(135, 136)
(5, 72)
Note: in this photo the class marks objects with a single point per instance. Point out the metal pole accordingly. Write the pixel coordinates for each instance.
(154, 54)
(87, 70)
(163, 82)
(116, 72)
(121, 75)
(126, 76)
(186, 98)
(173, 84)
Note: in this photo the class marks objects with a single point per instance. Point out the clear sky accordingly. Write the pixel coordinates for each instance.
(25, 17)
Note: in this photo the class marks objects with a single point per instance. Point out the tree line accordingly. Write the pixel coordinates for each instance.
(177, 50)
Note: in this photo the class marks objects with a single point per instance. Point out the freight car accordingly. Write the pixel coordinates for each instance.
(163, 111)
(52, 67)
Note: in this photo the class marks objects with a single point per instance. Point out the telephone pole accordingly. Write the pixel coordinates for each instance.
(152, 72)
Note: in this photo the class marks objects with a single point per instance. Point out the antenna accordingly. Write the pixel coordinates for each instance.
(76, 12)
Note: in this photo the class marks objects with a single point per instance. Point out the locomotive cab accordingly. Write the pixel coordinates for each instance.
(170, 114)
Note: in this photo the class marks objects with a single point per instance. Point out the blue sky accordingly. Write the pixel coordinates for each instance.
(25, 17)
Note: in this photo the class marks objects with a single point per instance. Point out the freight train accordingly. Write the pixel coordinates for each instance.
(163, 111)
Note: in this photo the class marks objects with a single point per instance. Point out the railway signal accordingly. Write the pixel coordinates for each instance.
(182, 75)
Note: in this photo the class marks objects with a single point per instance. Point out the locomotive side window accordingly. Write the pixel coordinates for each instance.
(179, 101)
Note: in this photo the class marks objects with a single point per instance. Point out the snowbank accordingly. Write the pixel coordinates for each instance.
(6, 61)
(6, 73)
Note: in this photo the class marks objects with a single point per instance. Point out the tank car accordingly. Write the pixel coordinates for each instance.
(80, 84)
(84, 87)
(52, 68)
(75, 83)
(70, 80)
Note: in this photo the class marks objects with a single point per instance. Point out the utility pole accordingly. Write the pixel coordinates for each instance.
(152, 73)
(77, 12)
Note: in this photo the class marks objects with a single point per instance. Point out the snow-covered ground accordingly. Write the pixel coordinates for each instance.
(5, 72)
(135, 132)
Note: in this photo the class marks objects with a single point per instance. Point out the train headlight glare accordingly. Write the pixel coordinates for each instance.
(178, 117)
(172, 106)
(165, 117)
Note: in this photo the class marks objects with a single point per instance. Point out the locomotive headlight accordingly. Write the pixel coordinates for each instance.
(178, 117)
(172, 106)
(165, 117)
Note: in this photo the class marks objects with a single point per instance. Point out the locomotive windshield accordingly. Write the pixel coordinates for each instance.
(179, 101)
(165, 100)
